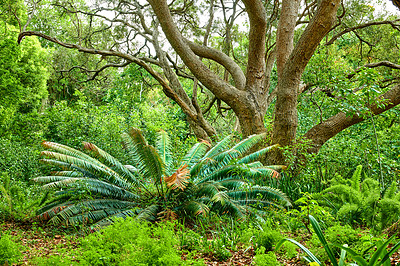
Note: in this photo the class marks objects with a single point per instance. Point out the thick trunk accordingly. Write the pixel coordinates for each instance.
(285, 123)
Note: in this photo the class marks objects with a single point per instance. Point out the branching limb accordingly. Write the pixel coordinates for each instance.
(394, 23)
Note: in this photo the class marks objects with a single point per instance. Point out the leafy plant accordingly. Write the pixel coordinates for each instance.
(265, 259)
(380, 256)
(17, 199)
(154, 187)
(359, 202)
(10, 251)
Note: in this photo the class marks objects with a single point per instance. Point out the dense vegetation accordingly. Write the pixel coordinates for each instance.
(107, 167)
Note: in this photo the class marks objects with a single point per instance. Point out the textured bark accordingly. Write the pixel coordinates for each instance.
(285, 123)
(249, 104)
(285, 34)
(321, 133)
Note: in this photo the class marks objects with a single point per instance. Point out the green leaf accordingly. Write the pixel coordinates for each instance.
(311, 256)
(321, 238)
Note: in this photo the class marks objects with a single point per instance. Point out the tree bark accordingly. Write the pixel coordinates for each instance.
(286, 121)
(321, 133)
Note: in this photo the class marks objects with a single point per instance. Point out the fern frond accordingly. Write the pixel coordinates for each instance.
(195, 153)
(252, 157)
(163, 147)
(117, 166)
(356, 178)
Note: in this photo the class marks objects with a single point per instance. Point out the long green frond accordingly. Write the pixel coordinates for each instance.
(255, 156)
(195, 153)
(163, 147)
(95, 167)
(117, 166)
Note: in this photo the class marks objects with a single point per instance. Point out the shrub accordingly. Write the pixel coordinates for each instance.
(154, 187)
(10, 251)
(265, 259)
(131, 242)
(18, 200)
(361, 203)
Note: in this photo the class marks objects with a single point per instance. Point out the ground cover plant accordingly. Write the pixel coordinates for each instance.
(216, 179)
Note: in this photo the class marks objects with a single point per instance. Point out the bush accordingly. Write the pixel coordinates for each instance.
(10, 251)
(19, 160)
(17, 198)
(356, 239)
(265, 259)
(131, 242)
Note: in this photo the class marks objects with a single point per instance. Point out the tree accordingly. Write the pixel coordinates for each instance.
(23, 75)
(286, 33)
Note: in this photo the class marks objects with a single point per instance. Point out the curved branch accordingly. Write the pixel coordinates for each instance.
(256, 53)
(373, 65)
(393, 23)
(215, 84)
(322, 132)
(221, 58)
(164, 83)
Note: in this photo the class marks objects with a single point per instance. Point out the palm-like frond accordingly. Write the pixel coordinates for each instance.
(179, 179)
(68, 173)
(117, 166)
(195, 153)
(239, 149)
(150, 213)
(219, 180)
(163, 147)
(194, 208)
(93, 166)
(67, 151)
(260, 193)
(256, 155)
(219, 147)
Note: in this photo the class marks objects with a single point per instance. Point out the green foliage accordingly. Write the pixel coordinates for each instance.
(23, 76)
(337, 235)
(297, 217)
(265, 259)
(10, 250)
(268, 238)
(361, 202)
(19, 160)
(154, 187)
(379, 256)
(132, 243)
(18, 200)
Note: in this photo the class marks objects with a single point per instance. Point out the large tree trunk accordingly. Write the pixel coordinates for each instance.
(285, 123)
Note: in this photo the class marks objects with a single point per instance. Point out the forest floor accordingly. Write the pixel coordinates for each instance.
(49, 241)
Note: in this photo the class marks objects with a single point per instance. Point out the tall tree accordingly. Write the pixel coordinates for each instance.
(167, 40)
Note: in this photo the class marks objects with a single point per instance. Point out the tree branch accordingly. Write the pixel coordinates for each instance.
(221, 58)
(256, 53)
(164, 83)
(322, 132)
(215, 84)
(393, 23)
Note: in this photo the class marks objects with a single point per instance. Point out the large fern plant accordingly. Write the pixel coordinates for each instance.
(361, 203)
(96, 188)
